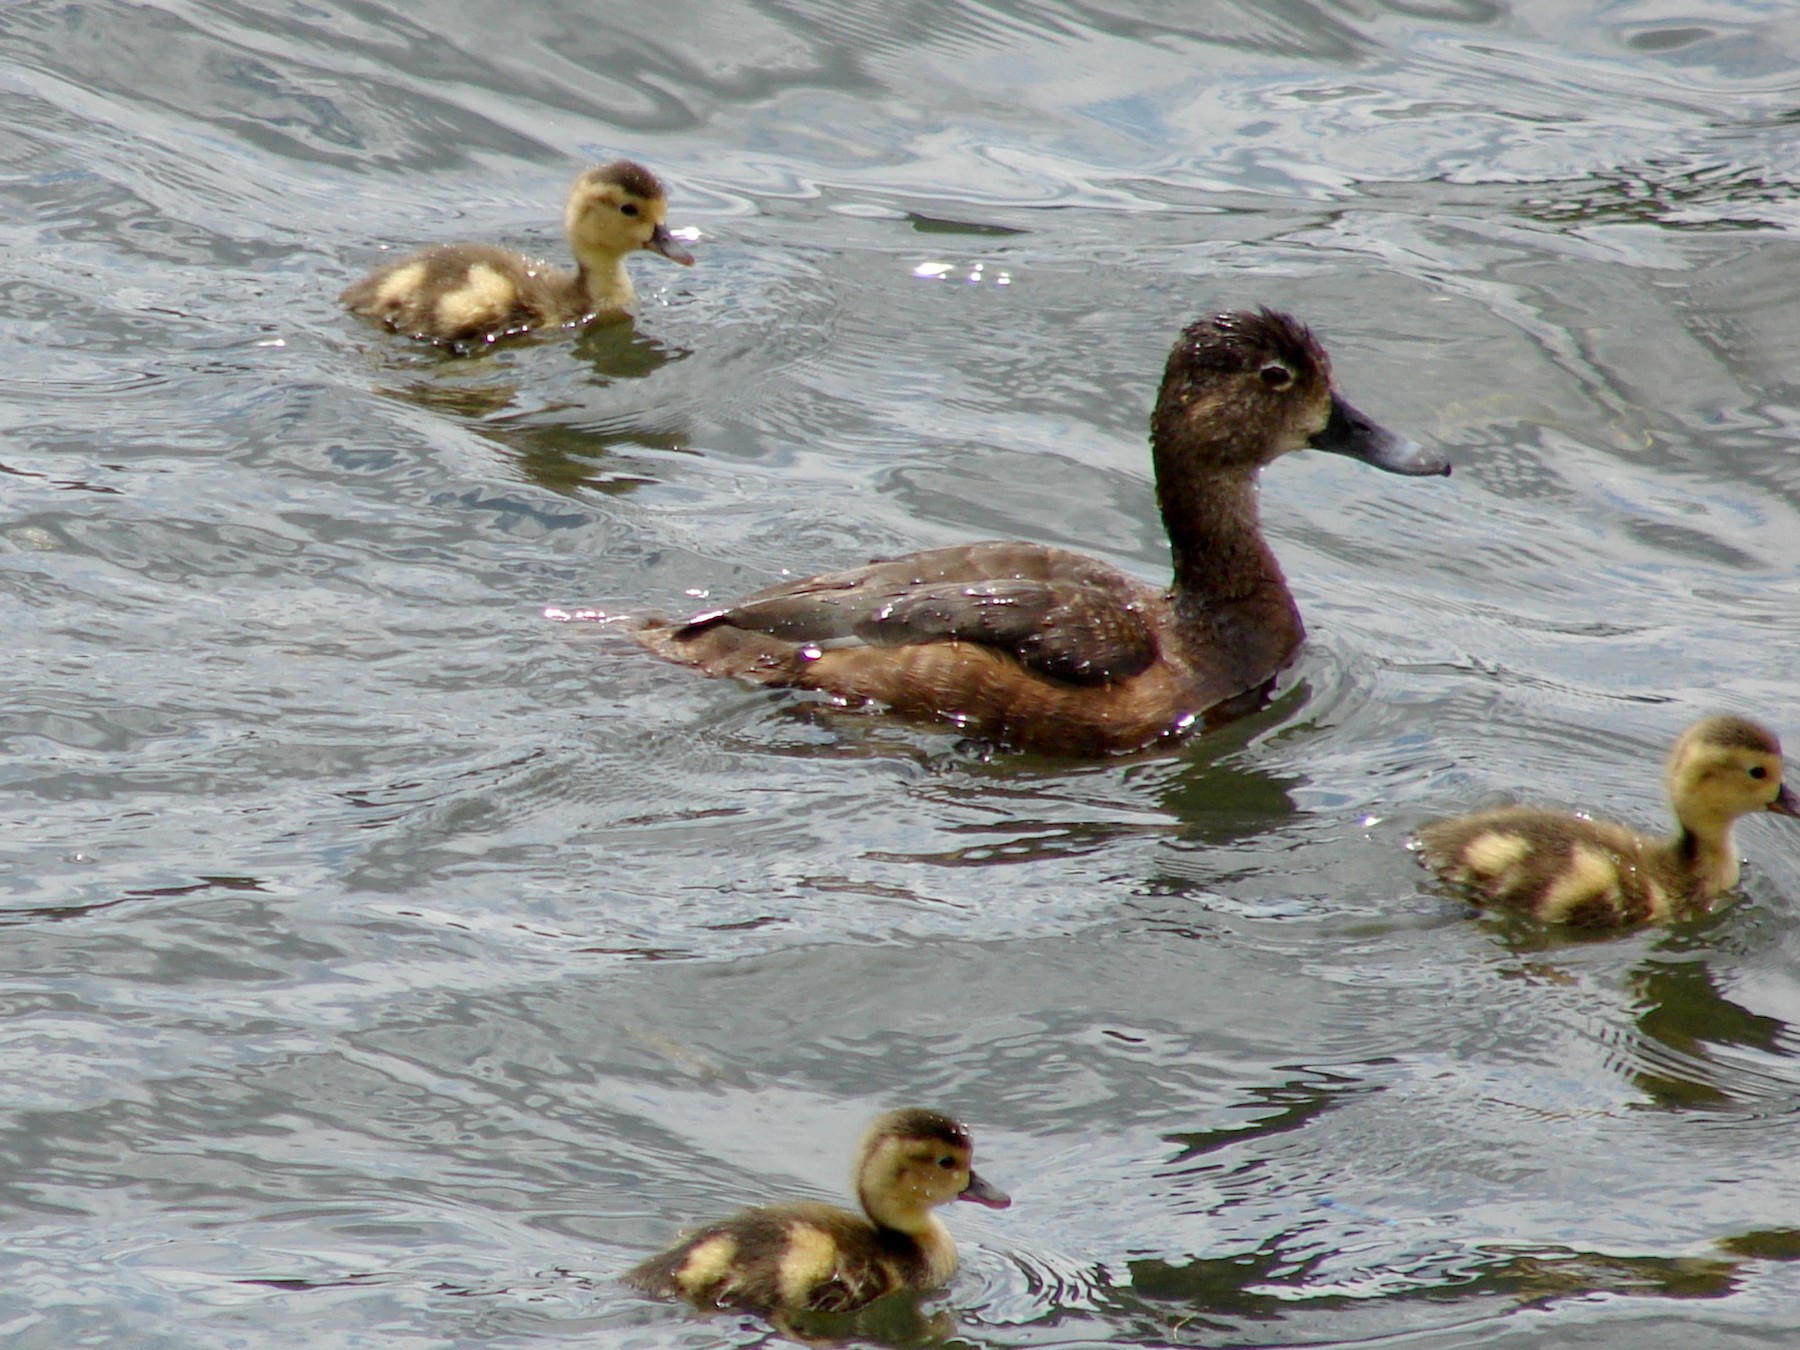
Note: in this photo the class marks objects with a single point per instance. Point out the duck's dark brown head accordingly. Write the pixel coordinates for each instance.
(1245, 387)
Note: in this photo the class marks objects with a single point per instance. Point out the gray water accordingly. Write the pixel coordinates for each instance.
(386, 964)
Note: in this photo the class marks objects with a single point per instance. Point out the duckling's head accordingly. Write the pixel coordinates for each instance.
(1724, 767)
(617, 209)
(912, 1160)
(1241, 389)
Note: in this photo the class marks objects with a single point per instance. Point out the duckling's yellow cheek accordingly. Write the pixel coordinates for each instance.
(809, 1260)
(399, 286)
(708, 1264)
(484, 295)
(1497, 852)
(1588, 875)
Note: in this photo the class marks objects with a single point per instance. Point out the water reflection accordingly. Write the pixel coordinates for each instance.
(567, 435)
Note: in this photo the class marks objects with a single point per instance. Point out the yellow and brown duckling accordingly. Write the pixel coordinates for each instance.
(456, 293)
(1594, 874)
(1050, 650)
(811, 1257)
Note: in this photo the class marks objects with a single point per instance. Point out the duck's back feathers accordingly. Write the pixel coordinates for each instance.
(1558, 868)
(1060, 614)
(805, 1256)
(1035, 647)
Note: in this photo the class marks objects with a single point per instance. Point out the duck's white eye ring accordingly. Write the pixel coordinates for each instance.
(628, 208)
(1275, 375)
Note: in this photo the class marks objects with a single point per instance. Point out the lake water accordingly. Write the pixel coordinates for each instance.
(386, 964)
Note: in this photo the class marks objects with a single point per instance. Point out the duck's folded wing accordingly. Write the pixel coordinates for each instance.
(1065, 616)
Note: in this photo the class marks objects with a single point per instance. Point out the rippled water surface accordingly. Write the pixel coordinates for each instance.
(386, 964)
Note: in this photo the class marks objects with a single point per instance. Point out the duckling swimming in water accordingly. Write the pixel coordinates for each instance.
(810, 1257)
(1594, 874)
(478, 293)
(1050, 650)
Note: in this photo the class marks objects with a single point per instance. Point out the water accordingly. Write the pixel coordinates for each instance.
(388, 965)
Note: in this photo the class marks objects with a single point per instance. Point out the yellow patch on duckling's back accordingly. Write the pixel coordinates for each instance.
(809, 1260)
(707, 1264)
(1589, 877)
(485, 297)
(398, 286)
(1496, 852)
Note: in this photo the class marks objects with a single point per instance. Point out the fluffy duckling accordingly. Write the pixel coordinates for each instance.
(477, 292)
(810, 1257)
(1594, 874)
(1051, 650)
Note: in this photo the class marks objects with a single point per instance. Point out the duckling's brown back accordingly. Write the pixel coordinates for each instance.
(461, 292)
(810, 1257)
(1557, 868)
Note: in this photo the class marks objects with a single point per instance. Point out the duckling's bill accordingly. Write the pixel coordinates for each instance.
(1785, 803)
(984, 1193)
(663, 242)
(1356, 434)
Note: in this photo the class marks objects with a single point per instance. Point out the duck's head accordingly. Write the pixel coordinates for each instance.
(617, 209)
(1724, 767)
(1245, 387)
(913, 1160)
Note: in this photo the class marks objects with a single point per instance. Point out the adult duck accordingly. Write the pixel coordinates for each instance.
(1051, 650)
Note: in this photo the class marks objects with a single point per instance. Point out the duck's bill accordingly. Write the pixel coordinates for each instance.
(661, 241)
(983, 1194)
(1785, 803)
(1360, 437)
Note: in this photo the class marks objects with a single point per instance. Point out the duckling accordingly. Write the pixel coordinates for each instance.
(1595, 874)
(811, 1257)
(1050, 650)
(452, 293)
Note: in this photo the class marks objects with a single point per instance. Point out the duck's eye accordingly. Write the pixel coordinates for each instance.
(947, 1163)
(628, 209)
(1758, 771)
(1275, 375)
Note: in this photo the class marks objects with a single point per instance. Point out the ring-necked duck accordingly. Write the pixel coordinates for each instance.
(1051, 650)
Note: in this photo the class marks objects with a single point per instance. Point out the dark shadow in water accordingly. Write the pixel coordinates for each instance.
(1283, 1108)
(1683, 1010)
(925, 224)
(1235, 1286)
(568, 458)
(1675, 194)
(1679, 1008)
(563, 447)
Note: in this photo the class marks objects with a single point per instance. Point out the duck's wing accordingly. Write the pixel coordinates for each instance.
(1061, 614)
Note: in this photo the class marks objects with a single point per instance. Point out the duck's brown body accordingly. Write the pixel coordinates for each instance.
(461, 293)
(810, 1257)
(1568, 869)
(1047, 649)
(1030, 646)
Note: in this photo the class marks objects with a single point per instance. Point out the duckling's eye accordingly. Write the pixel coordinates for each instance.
(1758, 771)
(1275, 375)
(628, 208)
(947, 1163)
